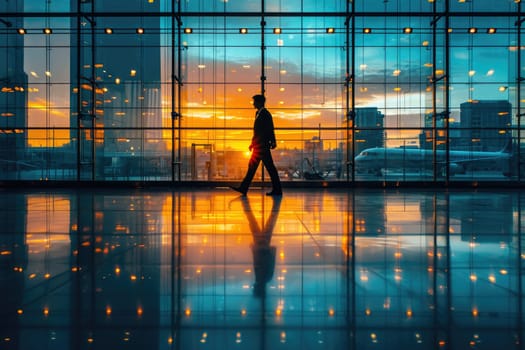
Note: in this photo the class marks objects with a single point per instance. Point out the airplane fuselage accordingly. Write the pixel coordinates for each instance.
(374, 160)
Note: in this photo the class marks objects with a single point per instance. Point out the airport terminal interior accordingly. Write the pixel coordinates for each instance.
(398, 124)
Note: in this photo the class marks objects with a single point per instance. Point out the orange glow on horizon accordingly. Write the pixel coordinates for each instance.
(44, 116)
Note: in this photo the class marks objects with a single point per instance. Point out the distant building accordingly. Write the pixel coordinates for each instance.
(313, 152)
(485, 124)
(426, 138)
(13, 91)
(369, 130)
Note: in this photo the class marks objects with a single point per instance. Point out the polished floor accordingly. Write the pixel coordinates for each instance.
(315, 269)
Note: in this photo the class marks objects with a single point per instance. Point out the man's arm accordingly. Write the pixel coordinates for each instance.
(270, 129)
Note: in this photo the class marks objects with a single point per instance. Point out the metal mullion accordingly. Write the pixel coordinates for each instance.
(350, 90)
(172, 82)
(258, 14)
(519, 81)
(434, 86)
(79, 98)
(447, 90)
(93, 96)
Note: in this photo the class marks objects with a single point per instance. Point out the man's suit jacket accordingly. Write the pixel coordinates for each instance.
(263, 130)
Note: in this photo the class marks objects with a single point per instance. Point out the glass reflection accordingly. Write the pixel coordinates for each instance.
(262, 250)
(332, 269)
(157, 91)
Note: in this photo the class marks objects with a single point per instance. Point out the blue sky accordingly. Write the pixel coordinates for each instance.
(392, 68)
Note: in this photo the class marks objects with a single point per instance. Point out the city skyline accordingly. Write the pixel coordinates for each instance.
(397, 88)
(153, 83)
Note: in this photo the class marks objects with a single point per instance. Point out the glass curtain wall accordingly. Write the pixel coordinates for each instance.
(150, 90)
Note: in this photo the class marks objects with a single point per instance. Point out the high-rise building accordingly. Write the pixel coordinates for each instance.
(369, 128)
(485, 124)
(13, 92)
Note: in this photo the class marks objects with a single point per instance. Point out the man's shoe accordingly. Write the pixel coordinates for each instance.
(238, 189)
(274, 193)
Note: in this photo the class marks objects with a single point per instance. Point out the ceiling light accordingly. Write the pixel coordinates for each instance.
(108, 31)
(47, 30)
(243, 30)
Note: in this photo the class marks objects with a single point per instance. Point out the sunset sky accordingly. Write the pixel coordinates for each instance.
(304, 66)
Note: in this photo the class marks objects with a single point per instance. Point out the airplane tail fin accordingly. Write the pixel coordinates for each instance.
(508, 147)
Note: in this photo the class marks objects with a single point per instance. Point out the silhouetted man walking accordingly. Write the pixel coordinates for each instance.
(263, 141)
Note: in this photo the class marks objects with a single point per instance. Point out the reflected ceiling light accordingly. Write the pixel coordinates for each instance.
(407, 30)
(243, 30)
(108, 31)
(367, 30)
(22, 31)
(188, 30)
(330, 30)
(277, 30)
(140, 30)
(47, 30)
(473, 30)
(449, 30)
(491, 30)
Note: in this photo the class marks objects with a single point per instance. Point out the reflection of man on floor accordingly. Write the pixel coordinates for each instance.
(263, 252)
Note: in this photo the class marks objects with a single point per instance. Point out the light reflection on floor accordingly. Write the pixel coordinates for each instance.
(205, 268)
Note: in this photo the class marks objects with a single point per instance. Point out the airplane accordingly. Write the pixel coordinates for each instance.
(376, 160)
